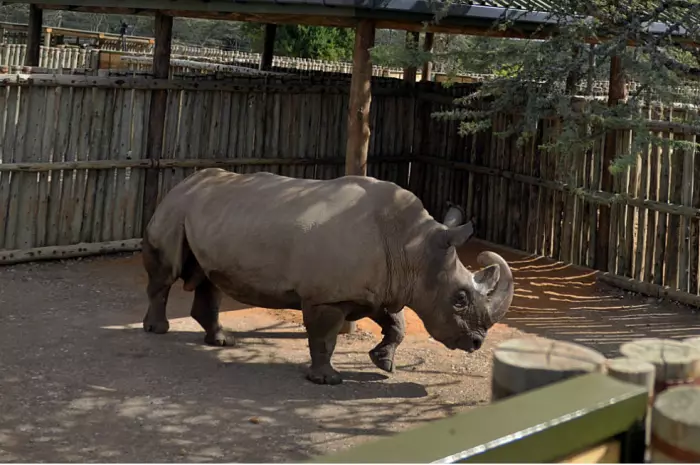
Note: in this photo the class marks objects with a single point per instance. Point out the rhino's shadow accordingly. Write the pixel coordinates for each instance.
(253, 360)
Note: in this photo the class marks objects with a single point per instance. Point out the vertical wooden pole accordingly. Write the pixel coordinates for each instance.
(427, 74)
(574, 76)
(617, 91)
(268, 47)
(33, 55)
(360, 101)
(409, 73)
(47, 37)
(156, 123)
(591, 70)
(358, 111)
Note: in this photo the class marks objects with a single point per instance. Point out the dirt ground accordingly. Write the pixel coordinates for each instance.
(81, 381)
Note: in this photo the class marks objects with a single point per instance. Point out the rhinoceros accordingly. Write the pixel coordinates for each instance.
(338, 250)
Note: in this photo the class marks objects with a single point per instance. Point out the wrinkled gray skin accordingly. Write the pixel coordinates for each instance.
(342, 249)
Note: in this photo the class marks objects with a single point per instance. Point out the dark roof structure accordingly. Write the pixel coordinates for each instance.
(462, 17)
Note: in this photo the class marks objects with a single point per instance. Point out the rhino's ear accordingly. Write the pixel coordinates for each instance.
(455, 237)
(486, 279)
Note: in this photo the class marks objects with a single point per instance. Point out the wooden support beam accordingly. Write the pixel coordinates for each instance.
(268, 47)
(409, 73)
(34, 31)
(358, 112)
(574, 76)
(427, 74)
(47, 37)
(617, 91)
(360, 101)
(156, 122)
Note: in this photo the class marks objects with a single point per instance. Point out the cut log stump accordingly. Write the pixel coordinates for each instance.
(520, 365)
(676, 362)
(675, 434)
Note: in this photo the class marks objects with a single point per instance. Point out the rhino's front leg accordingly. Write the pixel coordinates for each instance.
(323, 323)
(394, 329)
(205, 309)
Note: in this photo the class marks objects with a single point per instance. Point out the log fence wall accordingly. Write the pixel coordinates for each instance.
(73, 147)
(12, 55)
(73, 166)
(62, 56)
(548, 205)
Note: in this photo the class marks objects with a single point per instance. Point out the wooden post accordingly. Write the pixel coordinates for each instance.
(693, 341)
(521, 365)
(632, 370)
(360, 101)
(675, 362)
(590, 75)
(641, 373)
(675, 426)
(409, 73)
(268, 47)
(33, 55)
(574, 75)
(358, 111)
(617, 91)
(47, 37)
(156, 122)
(427, 74)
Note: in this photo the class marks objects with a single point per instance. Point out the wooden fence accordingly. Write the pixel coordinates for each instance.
(12, 55)
(233, 57)
(73, 162)
(73, 147)
(549, 205)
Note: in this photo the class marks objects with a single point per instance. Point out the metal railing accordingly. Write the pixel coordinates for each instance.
(550, 424)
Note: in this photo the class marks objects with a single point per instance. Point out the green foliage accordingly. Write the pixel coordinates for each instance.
(316, 42)
(547, 77)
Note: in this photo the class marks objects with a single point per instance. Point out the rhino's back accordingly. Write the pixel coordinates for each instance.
(279, 236)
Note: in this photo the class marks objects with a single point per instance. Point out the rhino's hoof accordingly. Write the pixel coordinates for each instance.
(324, 377)
(157, 327)
(218, 339)
(381, 361)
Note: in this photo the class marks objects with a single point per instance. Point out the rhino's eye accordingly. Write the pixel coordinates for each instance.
(461, 299)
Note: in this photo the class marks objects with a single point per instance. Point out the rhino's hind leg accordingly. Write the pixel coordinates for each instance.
(159, 282)
(205, 309)
(394, 329)
(323, 323)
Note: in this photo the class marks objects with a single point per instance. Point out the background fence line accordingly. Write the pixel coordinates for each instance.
(68, 56)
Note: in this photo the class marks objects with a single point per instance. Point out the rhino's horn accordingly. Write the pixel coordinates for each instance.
(502, 296)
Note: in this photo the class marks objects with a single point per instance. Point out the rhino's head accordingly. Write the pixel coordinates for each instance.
(457, 306)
